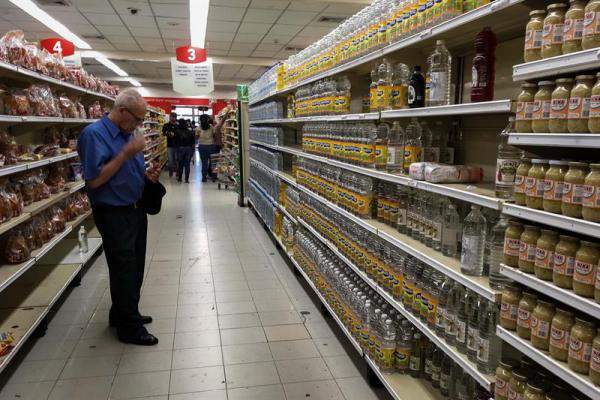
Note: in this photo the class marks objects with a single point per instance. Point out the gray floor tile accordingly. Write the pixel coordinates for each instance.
(231, 321)
(197, 380)
(88, 367)
(197, 357)
(246, 353)
(243, 335)
(97, 388)
(140, 385)
(300, 370)
(145, 362)
(253, 374)
(317, 390)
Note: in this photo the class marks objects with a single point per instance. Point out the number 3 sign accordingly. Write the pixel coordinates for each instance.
(190, 55)
(58, 45)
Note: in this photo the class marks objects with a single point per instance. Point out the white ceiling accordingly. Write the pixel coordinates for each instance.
(236, 28)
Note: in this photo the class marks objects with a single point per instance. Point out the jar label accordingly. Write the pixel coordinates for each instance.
(483, 350)
(573, 193)
(461, 334)
(512, 247)
(558, 109)
(540, 187)
(472, 334)
(531, 186)
(552, 34)
(594, 361)
(595, 106)
(527, 252)
(573, 29)
(597, 284)
(559, 338)
(584, 272)
(513, 394)
(543, 258)
(541, 110)
(591, 197)
(553, 190)
(563, 265)
(539, 328)
(533, 39)
(590, 23)
(579, 108)
(524, 318)
(520, 112)
(519, 184)
(508, 311)
(506, 169)
(580, 350)
(501, 388)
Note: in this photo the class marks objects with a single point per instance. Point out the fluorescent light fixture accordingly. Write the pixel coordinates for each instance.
(32, 9)
(101, 58)
(134, 82)
(198, 19)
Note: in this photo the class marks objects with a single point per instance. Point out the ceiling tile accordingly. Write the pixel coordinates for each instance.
(84, 29)
(243, 46)
(153, 48)
(116, 39)
(171, 10)
(113, 30)
(302, 5)
(123, 6)
(137, 20)
(91, 5)
(254, 28)
(261, 15)
(249, 69)
(313, 31)
(218, 53)
(344, 9)
(276, 4)
(230, 3)
(218, 45)
(226, 13)
(240, 53)
(175, 34)
(283, 29)
(68, 18)
(297, 17)
(219, 36)
(17, 15)
(264, 53)
(222, 26)
(248, 38)
(300, 41)
(172, 23)
(148, 32)
(274, 38)
(127, 46)
(104, 19)
(269, 47)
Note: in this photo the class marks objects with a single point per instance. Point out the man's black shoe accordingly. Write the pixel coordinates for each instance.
(144, 339)
(144, 319)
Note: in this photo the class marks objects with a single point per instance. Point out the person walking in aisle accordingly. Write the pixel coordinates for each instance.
(185, 151)
(170, 131)
(115, 176)
(218, 133)
(206, 145)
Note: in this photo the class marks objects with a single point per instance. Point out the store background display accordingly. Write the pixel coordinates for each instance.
(403, 231)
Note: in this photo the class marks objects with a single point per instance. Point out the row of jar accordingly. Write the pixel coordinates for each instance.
(561, 106)
(562, 29)
(568, 262)
(568, 337)
(562, 187)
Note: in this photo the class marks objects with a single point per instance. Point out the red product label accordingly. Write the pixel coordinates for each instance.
(553, 190)
(512, 247)
(559, 109)
(527, 252)
(508, 311)
(559, 338)
(595, 106)
(524, 318)
(584, 272)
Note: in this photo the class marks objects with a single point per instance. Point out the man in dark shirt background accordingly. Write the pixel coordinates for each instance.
(186, 142)
(170, 131)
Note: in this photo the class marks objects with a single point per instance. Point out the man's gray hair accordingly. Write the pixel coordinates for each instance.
(128, 98)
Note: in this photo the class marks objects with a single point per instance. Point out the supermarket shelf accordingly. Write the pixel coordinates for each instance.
(588, 306)
(559, 65)
(76, 186)
(41, 252)
(79, 220)
(486, 107)
(483, 379)
(152, 145)
(473, 20)
(263, 191)
(32, 119)
(299, 120)
(154, 133)
(555, 220)
(67, 252)
(573, 140)
(287, 214)
(24, 166)
(11, 223)
(558, 368)
(39, 206)
(151, 122)
(13, 72)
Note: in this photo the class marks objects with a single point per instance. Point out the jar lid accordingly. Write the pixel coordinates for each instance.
(525, 160)
(564, 80)
(519, 375)
(584, 322)
(556, 6)
(546, 83)
(530, 294)
(539, 161)
(533, 386)
(549, 232)
(515, 222)
(544, 303)
(590, 244)
(584, 77)
(578, 164)
(594, 166)
(568, 238)
(531, 84)
(564, 311)
(532, 227)
(559, 162)
(537, 12)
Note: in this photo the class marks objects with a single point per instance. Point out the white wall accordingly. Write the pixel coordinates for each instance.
(164, 91)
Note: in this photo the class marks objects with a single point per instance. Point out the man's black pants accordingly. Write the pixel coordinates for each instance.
(124, 231)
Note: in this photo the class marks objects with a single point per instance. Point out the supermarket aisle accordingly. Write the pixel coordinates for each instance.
(232, 319)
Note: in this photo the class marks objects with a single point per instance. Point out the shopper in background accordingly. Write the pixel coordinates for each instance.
(206, 145)
(218, 133)
(115, 176)
(170, 131)
(186, 141)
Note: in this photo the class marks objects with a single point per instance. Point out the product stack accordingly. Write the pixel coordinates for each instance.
(434, 211)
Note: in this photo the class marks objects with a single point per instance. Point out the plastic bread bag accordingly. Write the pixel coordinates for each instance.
(33, 59)
(14, 43)
(59, 221)
(43, 102)
(81, 113)
(17, 103)
(14, 197)
(43, 190)
(43, 228)
(56, 178)
(52, 135)
(76, 171)
(8, 148)
(16, 250)
(95, 110)
(67, 107)
(33, 239)
(70, 210)
(417, 170)
(26, 185)
(453, 174)
(6, 210)
(52, 64)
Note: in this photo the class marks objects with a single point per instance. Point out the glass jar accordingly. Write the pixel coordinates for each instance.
(534, 184)
(517, 384)
(552, 35)
(579, 104)
(544, 254)
(564, 261)
(591, 25)
(573, 189)
(512, 243)
(520, 177)
(542, 101)
(590, 205)
(533, 36)
(533, 392)
(526, 306)
(553, 186)
(580, 345)
(595, 360)
(503, 377)
(573, 29)
(528, 244)
(560, 331)
(559, 106)
(586, 262)
(541, 320)
(594, 121)
(509, 306)
(525, 107)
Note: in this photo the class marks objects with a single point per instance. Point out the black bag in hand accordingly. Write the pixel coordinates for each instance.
(151, 200)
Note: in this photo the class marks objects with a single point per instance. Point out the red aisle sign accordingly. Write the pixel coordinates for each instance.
(190, 55)
(58, 45)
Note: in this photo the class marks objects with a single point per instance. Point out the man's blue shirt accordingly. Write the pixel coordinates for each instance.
(99, 143)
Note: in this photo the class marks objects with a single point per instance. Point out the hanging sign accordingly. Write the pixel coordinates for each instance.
(191, 73)
(65, 48)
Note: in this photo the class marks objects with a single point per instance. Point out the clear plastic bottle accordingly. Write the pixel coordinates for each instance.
(496, 255)
(489, 347)
(416, 357)
(403, 349)
(473, 241)
(395, 150)
(384, 86)
(462, 319)
(450, 231)
(439, 75)
(413, 148)
(473, 326)
(507, 162)
(450, 314)
(440, 324)
(381, 146)
(388, 346)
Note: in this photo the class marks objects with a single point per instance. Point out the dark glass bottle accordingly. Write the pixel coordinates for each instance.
(416, 89)
(445, 377)
(436, 367)
(416, 357)
(428, 367)
(484, 69)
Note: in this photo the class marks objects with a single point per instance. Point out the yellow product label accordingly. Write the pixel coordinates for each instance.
(432, 304)
(364, 336)
(367, 153)
(399, 97)
(417, 300)
(402, 358)
(412, 154)
(408, 294)
(363, 204)
(398, 288)
(380, 206)
(387, 357)
(383, 97)
(424, 309)
(341, 104)
(381, 156)
(373, 98)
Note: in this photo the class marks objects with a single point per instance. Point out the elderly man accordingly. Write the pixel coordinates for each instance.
(115, 174)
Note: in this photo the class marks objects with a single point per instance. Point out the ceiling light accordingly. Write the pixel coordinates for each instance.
(42, 16)
(134, 82)
(198, 19)
(101, 58)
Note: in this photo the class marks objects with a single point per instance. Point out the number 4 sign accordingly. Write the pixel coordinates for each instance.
(65, 48)
(191, 73)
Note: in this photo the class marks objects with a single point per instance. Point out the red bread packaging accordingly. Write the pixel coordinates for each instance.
(16, 250)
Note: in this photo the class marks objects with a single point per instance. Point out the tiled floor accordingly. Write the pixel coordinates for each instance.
(233, 321)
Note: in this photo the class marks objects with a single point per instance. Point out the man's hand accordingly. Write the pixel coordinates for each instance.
(153, 174)
(134, 146)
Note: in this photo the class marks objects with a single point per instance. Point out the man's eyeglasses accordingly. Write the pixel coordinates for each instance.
(137, 119)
